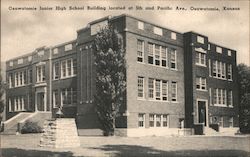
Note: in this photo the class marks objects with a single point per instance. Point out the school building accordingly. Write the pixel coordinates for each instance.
(174, 80)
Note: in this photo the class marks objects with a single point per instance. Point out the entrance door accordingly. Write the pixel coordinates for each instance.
(202, 112)
(40, 102)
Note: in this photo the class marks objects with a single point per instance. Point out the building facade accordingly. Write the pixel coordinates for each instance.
(173, 79)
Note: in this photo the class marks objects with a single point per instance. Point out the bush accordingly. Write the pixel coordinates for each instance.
(31, 127)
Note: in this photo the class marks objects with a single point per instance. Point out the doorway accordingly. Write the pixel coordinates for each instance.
(40, 101)
(202, 112)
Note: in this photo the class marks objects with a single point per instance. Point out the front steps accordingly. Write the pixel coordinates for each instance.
(11, 125)
(14, 124)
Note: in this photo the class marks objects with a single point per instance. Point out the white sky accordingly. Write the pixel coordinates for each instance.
(24, 31)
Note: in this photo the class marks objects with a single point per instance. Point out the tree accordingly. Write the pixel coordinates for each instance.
(110, 77)
(244, 95)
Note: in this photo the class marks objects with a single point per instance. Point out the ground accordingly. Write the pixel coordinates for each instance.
(191, 146)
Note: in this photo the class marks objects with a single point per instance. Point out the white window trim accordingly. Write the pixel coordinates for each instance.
(175, 52)
(199, 63)
(143, 51)
(72, 68)
(176, 91)
(173, 36)
(143, 90)
(200, 83)
(10, 108)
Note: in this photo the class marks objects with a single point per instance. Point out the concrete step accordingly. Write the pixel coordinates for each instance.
(210, 131)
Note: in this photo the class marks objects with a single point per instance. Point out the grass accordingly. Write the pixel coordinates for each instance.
(192, 146)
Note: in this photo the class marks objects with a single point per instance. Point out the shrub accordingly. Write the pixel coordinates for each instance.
(31, 127)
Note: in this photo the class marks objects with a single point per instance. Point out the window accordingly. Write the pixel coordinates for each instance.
(158, 120)
(229, 72)
(215, 68)
(164, 90)
(157, 55)
(165, 120)
(229, 52)
(201, 83)
(20, 78)
(231, 122)
(40, 53)
(30, 75)
(68, 68)
(173, 58)
(230, 98)
(56, 70)
(200, 39)
(68, 47)
(141, 120)
(158, 31)
(19, 104)
(140, 50)
(20, 61)
(40, 73)
(11, 63)
(151, 120)
(200, 59)
(209, 67)
(209, 47)
(55, 51)
(10, 80)
(150, 53)
(56, 102)
(151, 88)
(30, 58)
(158, 89)
(174, 91)
(220, 97)
(140, 81)
(173, 35)
(223, 70)
(218, 49)
(68, 97)
(10, 107)
(163, 56)
(140, 25)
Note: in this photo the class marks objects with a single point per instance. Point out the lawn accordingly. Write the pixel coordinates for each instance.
(191, 146)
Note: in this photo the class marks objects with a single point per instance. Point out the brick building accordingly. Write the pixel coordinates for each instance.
(173, 79)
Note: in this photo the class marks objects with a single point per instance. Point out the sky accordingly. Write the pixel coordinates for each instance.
(24, 31)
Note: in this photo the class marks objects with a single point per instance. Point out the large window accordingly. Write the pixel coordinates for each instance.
(19, 103)
(220, 97)
(157, 89)
(68, 97)
(201, 83)
(40, 73)
(20, 79)
(68, 68)
(140, 50)
(140, 85)
(173, 58)
(219, 69)
(158, 120)
(157, 55)
(141, 120)
(174, 91)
